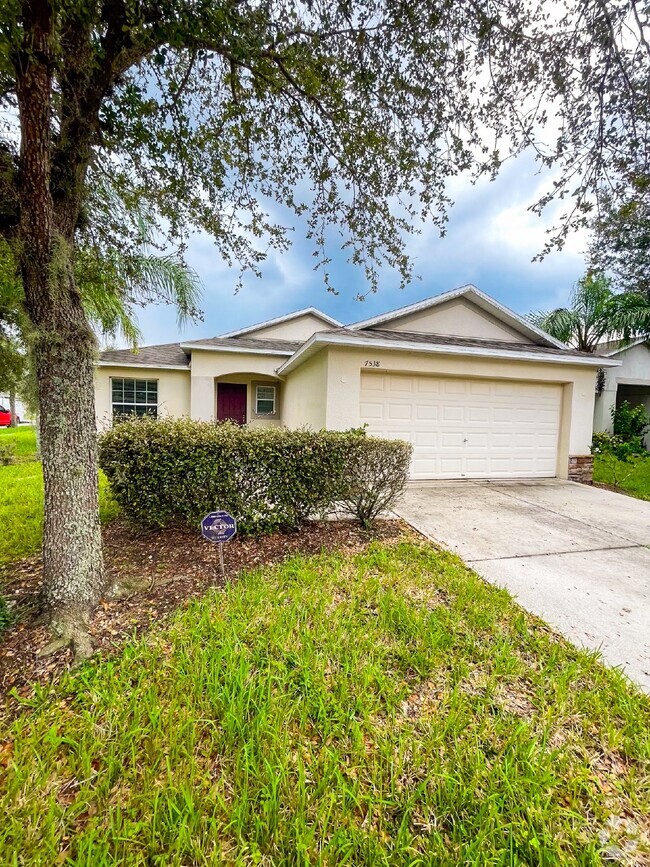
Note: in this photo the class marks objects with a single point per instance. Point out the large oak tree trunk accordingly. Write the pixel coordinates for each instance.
(12, 408)
(72, 556)
(64, 345)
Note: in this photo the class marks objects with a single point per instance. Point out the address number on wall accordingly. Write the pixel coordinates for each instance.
(371, 364)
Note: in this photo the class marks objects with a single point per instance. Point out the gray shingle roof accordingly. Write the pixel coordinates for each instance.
(398, 337)
(172, 353)
(248, 343)
(162, 354)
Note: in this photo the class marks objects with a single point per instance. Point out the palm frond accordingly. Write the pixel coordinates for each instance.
(628, 316)
(560, 323)
(148, 278)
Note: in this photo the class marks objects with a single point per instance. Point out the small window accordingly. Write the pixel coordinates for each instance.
(265, 400)
(134, 397)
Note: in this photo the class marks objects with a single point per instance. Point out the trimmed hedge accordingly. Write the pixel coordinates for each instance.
(174, 471)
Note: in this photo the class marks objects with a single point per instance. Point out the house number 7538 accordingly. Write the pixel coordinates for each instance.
(371, 364)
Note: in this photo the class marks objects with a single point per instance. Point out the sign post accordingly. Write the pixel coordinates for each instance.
(219, 527)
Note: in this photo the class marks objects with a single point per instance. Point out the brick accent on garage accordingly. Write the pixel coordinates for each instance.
(581, 469)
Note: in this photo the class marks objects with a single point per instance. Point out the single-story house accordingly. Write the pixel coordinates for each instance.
(478, 390)
(630, 381)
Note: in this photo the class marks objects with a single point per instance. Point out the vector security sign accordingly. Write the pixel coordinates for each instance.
(218, 527)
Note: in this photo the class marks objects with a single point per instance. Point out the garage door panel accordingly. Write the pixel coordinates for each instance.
(425, 412)
(399, 411)
(372, 411)
(428, 386)
(425, 439)
(400, 384)
(464, 428)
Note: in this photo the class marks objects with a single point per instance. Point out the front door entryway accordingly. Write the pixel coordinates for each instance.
(231, 402)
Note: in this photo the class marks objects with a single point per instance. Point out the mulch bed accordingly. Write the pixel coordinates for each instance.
(165, 569)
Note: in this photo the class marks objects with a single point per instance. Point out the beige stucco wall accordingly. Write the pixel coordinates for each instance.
(173, 390)
(344, 365)
(301, 328)
(305, 394)
(460, 318)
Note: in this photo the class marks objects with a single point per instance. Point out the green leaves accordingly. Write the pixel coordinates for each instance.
(597, 314)
(174, 471)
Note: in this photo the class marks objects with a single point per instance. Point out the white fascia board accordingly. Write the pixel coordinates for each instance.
(286, 318)
(520, 321)
(485, 302)
(241, 349)
(411, 308)
(324, 339)
(146, 366)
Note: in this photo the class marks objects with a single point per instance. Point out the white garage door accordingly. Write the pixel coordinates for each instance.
(466, 428)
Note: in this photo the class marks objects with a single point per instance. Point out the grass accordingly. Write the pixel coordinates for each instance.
(387, 708)
(632, 478)
(21, 509)
(23, 439)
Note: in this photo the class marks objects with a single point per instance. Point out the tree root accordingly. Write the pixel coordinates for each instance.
(70, 632)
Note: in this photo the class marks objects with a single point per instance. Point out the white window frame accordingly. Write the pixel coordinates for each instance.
(257, 398)
(136, 403)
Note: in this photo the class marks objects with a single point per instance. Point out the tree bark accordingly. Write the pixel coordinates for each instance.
(12, 408)
(72, 556)
(64, 348)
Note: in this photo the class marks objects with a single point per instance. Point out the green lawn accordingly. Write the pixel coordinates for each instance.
(23, 439)
(635, 479)
(390, 708)
(21, 509)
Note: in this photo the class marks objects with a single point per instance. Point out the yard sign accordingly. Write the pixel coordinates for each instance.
(219, 527)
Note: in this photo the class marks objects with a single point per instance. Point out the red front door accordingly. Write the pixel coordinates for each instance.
(231, 402)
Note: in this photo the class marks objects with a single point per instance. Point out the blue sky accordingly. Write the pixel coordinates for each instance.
(491, 239)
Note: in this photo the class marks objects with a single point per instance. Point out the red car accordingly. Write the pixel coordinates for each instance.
(5, 417)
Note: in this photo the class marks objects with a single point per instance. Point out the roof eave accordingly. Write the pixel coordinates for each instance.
(278, 320)
(320, 340)
(134, 363)
(247, 351)
(509, 316)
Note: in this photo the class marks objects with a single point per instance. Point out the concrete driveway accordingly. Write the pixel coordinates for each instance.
(577, 556)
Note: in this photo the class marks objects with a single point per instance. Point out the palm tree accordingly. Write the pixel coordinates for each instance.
(596, 314)
(112, 283)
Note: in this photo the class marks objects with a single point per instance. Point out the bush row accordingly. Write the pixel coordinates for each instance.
(174, 471)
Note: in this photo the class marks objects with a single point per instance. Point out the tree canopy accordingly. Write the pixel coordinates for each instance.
(621, 241)
(211, 114)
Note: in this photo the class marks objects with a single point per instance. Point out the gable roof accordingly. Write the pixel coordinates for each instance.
(286, 318)
(480, 299)
(443, 344)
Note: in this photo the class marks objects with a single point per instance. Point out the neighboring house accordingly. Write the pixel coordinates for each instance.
(477, 389)
(630, 381)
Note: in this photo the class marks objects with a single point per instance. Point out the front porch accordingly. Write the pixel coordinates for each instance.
(247, 398)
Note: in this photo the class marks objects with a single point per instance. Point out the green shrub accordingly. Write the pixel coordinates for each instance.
(377, 473)
(174, 471)
(613, 444)
(630, 422)
(7, 452)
